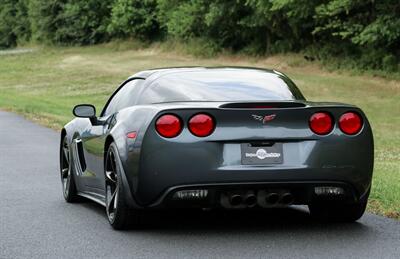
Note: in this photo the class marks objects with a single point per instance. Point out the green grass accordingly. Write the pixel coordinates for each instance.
(45, 84)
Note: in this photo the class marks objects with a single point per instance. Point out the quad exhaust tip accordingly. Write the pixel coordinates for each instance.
(286, 198)
(272, 198)
(250, 200)
(236, 199)
(243, 200)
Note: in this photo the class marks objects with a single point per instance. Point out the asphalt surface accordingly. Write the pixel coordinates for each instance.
(35, 222)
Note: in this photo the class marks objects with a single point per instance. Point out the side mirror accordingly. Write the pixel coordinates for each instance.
(84, 111)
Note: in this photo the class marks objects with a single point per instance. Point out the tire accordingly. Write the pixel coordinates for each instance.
(119, 215)
(337, 212)
(66, 173)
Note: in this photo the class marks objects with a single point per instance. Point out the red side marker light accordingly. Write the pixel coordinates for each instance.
(131, 135)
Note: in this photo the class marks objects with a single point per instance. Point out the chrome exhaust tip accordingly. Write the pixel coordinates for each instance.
(272, 198)
(286, 198)
(250, 200)
(235, 199)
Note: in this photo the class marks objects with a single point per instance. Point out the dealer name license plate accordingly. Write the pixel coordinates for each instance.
(262, 155)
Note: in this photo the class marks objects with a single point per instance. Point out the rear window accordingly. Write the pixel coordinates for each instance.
(221, 85)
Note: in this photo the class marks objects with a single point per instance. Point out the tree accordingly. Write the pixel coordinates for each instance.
(134, 18)
(14, 22)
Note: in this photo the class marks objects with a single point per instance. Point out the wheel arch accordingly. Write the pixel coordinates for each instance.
(63, 132)
(107, 143)
(62, 135)
(127, 188)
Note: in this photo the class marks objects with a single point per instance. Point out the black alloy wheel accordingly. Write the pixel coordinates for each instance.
(119, 215)
(67, 179)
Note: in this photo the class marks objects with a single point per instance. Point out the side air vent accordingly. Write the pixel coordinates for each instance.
(80, 158)
(267, 105)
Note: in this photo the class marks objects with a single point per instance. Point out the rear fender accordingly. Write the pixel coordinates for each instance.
(134, 119)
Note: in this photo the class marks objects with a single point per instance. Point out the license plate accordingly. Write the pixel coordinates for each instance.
(261, 155)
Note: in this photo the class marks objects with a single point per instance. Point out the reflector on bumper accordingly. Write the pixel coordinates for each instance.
(191, 194)
(328, 190)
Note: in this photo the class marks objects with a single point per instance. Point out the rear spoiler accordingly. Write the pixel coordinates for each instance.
(262, 105)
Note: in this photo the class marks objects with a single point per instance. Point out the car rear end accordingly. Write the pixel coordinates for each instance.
(243, 155)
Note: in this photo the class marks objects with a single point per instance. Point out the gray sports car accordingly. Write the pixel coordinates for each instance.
(219, 138)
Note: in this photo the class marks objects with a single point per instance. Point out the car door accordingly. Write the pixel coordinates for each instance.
(93, 140)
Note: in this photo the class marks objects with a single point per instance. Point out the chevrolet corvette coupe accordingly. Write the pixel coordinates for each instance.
(218, 138)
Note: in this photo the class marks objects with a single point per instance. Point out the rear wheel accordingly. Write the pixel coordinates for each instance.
(119, 215)
(336, 212)
(67, 179)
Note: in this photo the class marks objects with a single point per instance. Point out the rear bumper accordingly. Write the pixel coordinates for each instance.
(301, 180)
(207, 163)
(303, 193)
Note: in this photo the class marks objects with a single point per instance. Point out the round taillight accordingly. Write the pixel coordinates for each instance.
(350, 123)
(201, 125)
(321, 123)
(168, 126)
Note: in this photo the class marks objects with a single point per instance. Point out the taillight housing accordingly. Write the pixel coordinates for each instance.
(321, 123)
(201, 125)
(169, 125)
(350, 123)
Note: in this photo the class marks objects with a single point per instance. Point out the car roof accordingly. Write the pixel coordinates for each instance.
(237, 79)
(158, 72)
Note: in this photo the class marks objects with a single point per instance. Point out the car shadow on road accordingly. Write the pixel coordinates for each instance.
(179, 221)
(292, 218)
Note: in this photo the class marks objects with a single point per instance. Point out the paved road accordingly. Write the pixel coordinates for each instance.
(35, 222)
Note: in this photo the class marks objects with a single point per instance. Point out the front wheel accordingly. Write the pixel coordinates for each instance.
(119, 215)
